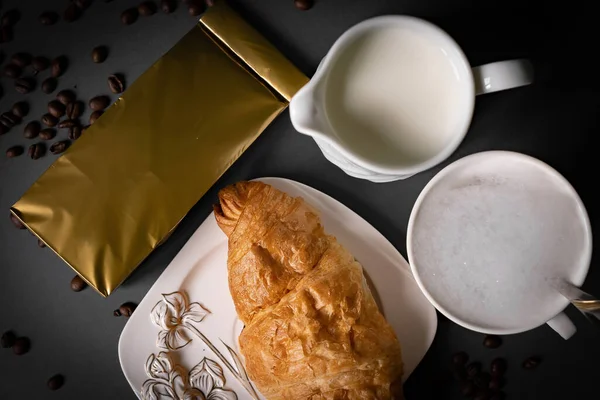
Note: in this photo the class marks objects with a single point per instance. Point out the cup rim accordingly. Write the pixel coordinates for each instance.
(439, 176)
(400, 20)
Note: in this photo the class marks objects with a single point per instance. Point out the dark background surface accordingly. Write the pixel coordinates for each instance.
(556, 120)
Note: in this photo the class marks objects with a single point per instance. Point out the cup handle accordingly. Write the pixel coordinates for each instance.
(502, 75)
(562, 325)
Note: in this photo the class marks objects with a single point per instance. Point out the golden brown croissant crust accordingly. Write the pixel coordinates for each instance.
(312, 328)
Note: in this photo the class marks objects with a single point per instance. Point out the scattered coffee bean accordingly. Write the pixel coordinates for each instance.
(498, 366)
(498, 396)
(95, 115)
(129, 16)
(11, 17)
(59, 147)
(116, 83)
(40, 63)
(49, 85)
(77, 283)
(20, 109)
(9, 119)
(196, 7)
(37, 150)
(531, 362)
(99, 103)
(68, 123)
(21, 346)
(209, 3)
(48, 18)
(168, 6)
(49, 120)
(32, 130)
(147, 8)
(75, 109)
(17, 222)
(7, 340)
(14, 151)
(65, 97)
(473, 369)
(56, 108)
(6, 34)
(492, 341)
(41, 244)
(59, 66)
(12, 71)
(99, 54)
(126, 309)
(467, 388)
(56, 382)
(303, 4)
(460, 358)
(21, 59)
(75, 132)
(47, 133)
(72, 13)
(82, 4)
(117, 313)
(24, 85)
(482, 379)
(496, 383)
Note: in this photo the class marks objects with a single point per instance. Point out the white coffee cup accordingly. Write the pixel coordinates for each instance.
(395, 96)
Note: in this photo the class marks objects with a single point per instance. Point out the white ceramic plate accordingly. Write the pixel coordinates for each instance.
(200, 272)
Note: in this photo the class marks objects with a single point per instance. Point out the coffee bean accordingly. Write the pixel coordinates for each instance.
(68, 123)
(8, 340)
(59, 66)
(482, 379)
(496, 383)
(492, 341)
(129, 16)
(303, 4)
(9, 119)
(59, 147)
(82, 4)
(117, 313)
(168, 6)
(12, 71)
(196, 7)
(126, 309)
(75, 132)
(11, 17)
(209, 3)
(14, 151)
(32, 130)
(47, 133)
(37, 150)
(99, 54)
(72, 13)
(24, 85)
(21, 346)
(48, 18)
(95, 115)
(49, 120)
(116, 83)
(17, 222)
(20, 109)
(467, 388)
(75, 109)
(65, 97)
(40, 63)
(77, 283)
(99, 103)
(41, 244)
(531, 362)
(473, 369)
(56, 382)
(21, 59)
(498, 366)
(147, 8)
(56, 108)
(498, 396)
(6, 34)
(49, 85)
(460, 358)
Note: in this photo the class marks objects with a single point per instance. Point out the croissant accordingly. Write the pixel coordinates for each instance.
(312, 328)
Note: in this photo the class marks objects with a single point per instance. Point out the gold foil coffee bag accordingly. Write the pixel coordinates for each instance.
(174, 132)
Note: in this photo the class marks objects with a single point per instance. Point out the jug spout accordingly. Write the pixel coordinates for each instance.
(306, 113)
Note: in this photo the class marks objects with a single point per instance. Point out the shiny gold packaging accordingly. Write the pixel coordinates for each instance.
(119, 191)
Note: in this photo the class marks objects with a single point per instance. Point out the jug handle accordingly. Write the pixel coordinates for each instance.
(502, 75)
